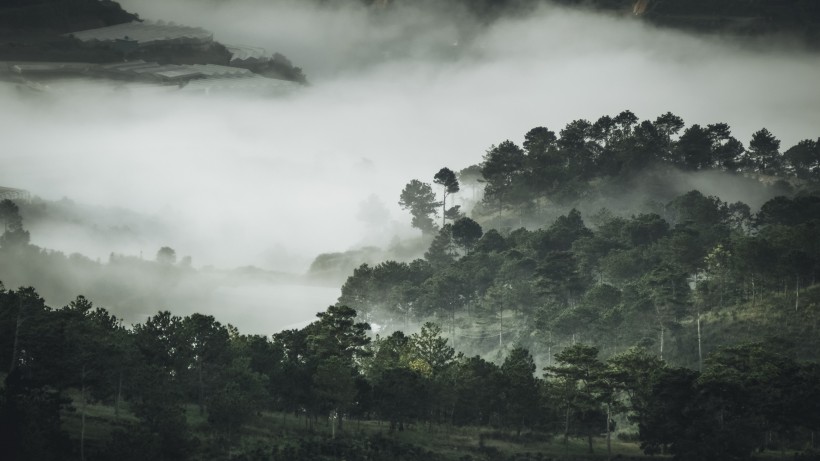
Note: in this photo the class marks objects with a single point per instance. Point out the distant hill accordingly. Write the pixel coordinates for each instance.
(752, 17)
(799, 18)
(91, 32)
(59, 16)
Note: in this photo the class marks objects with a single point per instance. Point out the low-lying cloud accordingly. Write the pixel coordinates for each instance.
(395, 95)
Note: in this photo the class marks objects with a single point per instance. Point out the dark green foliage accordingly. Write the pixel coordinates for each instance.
(442, 251)
(804, 159)
(581, 390)
(236, 399)
(725, 413)
(401, 396)
(331, 368)
(764, 153)
(62, 16)
(449, 184)
(479, 400)
(420, 200)
(466, 233)
(693, 150)
(502, 167)
(519, 389)
(30, 421)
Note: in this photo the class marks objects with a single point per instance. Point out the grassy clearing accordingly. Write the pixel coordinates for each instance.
(274, 428)
(271, 428)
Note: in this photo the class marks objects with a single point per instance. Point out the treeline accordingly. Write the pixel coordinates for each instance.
(126, 283)
(748, 397)
(563, 167)
(614, 156)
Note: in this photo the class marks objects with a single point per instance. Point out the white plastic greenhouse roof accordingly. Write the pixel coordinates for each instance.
(245, 53)
(249, 83)
(145, 33)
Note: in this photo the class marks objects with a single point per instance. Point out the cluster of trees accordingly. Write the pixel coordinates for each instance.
(154, 369)
(560, 168)
(625, 281)
(747, 397)
(418, 198)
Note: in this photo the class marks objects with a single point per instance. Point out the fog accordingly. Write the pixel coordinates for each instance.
(236, 180)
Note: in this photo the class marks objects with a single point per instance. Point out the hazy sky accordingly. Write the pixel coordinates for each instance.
(274, 181)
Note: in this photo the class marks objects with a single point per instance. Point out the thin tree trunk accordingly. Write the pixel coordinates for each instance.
(453, 324)
(796, 292)
(722, 287)
(119, 396)
(444, 207)
(608, 433)
(500, 326)
(566, 428)
(700, 349)
(15, 351)
(753, 293)
(662, 332)
(201, 387)
(82, 417)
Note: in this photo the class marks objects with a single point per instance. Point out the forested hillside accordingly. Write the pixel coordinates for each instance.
(665, 274)
(688, 327)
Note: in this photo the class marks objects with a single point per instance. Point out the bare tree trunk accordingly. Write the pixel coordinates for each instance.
(753, 292)
(119, 396)
(566, 428)
(796, 292)
(15, 351)
(662, 332)
(444, 207)
(82, 417)
(608, 432)
(201, 387)
(500, 326)
(453, 324)
(722, 287)
(700, 348)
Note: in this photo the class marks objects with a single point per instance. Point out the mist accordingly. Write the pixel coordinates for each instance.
(236, 180)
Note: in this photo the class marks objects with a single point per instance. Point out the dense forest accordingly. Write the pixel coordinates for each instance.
(157, 376)
(688, 328)
(651, 278)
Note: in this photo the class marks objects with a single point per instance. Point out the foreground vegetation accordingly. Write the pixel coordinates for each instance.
(191, 388)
